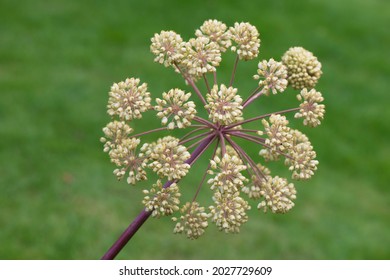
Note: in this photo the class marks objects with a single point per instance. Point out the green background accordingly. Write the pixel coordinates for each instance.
(58, 59)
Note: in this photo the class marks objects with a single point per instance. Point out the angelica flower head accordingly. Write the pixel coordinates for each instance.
(211, 120)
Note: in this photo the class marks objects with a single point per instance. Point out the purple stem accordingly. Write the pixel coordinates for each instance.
(234, 71)
(252, 98)
(193, 131)
(194, 137)
(191, 83)
(207, 83)
(240, 151)
(144, 215)
(253, 138)
(261, 117)
(205, 174)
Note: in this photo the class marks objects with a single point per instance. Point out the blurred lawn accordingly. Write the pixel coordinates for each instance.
(58, 198)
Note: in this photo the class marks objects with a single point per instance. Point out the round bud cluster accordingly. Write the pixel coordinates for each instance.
(301, 157)
(201, 56)
(126, 157)
(279, 137)
(303, 68)
(114, 133)
(253, 190)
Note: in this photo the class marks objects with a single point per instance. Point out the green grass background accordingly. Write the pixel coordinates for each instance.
(58, 197)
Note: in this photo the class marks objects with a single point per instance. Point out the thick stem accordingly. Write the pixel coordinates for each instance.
(126, 235)
(198, 142)
(144, 215)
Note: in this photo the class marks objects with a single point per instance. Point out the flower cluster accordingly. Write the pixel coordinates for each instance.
(166, 46)
(162, 201)
(175, 104)
(217, 128)
(216, 32)
(193, 222)
(128, 100)
(278, 195)
(224, 105)
(274, 74)
(228, 177)
(303, 68)
(246, 39)
(168, 158)
(311, 109)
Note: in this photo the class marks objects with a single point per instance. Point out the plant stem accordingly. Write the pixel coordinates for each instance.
(261, 117)
(205, 173)
(205, 122)
(144, 215)
(234, 71)
(207, 83)
(192, 84)
(126, 235)
(150, 131)
(252, 98)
